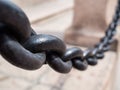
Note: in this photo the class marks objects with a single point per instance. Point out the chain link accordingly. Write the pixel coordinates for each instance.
(22, 47)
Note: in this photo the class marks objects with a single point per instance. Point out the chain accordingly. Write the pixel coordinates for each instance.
(23, 47)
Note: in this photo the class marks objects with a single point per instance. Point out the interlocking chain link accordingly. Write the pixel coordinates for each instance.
(22, 47)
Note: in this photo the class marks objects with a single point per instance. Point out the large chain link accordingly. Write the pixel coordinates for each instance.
(22, 47)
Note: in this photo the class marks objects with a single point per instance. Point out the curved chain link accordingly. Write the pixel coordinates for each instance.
(22, 47)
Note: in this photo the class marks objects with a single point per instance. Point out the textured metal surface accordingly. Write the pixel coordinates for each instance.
(22, 47)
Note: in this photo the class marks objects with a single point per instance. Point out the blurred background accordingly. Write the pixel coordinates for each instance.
(55, 17)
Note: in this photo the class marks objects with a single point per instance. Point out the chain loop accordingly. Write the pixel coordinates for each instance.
(17, 55)
(15, 18)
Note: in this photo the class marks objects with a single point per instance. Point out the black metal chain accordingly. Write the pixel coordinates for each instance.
(22, 47)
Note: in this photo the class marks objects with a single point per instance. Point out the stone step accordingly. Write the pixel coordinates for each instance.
(46, 10)
(55, 25)
(26, 3)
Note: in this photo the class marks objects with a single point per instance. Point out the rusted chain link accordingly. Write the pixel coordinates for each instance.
(22, 47)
